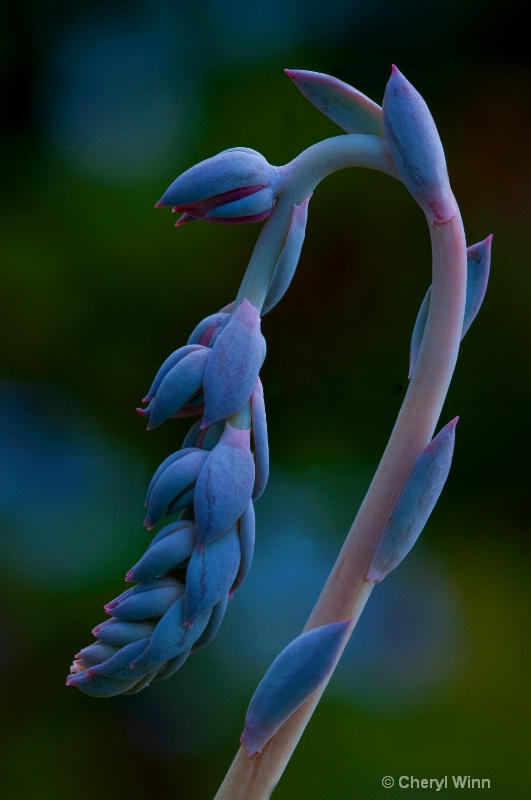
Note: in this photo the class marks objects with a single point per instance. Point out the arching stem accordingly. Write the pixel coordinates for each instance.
(346, 590)
(298, 180)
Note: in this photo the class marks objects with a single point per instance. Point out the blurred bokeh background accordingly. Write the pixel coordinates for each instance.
(104, 104)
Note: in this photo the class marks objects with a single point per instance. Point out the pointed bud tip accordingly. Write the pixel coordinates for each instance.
(159, 205)
(453, 422)
(184, 219)
(129, 577)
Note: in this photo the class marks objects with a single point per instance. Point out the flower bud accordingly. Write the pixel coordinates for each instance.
(112, 676)
(175, 481)
(213, 626)
(290, 680)
(341, 103)
(211, 573)
(170, 362)
(170, 638)
(415, 503)
(148, 605)
(237, 185)
(224, 485)
(416, 148)
(166, 554)
(178, 387)
(477, 272)
(203, 332)
(120, 633)
(233, 366)
(289, 257)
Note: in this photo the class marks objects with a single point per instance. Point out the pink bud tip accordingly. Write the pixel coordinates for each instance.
(133, 664)
(128, 577)
(394, 69)
(159, 205)
(141, 411)
(231, 594)
(185, 217)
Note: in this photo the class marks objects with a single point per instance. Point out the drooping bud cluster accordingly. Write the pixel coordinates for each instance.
(194, 564)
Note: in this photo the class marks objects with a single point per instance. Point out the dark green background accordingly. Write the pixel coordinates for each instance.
(105, 104)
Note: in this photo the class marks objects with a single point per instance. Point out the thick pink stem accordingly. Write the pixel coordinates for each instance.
(346, 591)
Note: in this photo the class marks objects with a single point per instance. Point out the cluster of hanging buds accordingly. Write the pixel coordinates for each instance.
(195, 563)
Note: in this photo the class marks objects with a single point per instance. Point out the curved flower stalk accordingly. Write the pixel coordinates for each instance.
(195, 563)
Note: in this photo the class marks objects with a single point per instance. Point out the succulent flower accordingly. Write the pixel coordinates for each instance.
(237, 185)
(194, 564)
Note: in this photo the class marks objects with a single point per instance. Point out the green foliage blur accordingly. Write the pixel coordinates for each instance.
(104, 105)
